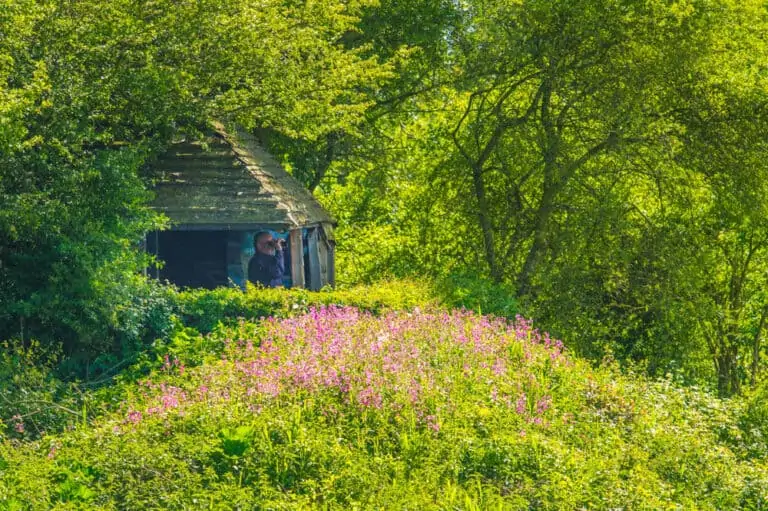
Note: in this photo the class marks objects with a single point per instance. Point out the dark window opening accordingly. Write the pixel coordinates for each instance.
(191, 258)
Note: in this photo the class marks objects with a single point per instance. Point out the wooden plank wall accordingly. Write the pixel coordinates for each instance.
(322, 252)
(315, 282)
(332, 264)
(327, 249)
(297, 258)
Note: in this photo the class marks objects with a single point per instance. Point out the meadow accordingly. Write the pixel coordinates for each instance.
(339, 408)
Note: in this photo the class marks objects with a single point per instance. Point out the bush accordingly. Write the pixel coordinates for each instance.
(143, 314)
(754, 421)
(479, 294)
(33, 401)
(141, 311)
(203, 309)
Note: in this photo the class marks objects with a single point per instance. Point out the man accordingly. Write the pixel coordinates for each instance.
(267, 265)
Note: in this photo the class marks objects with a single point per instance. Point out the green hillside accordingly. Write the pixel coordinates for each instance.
(336, 408)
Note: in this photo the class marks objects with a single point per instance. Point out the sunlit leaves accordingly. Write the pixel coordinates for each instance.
(89, 90)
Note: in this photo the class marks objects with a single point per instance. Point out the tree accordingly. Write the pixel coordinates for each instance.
(583, 151)
(91, 90)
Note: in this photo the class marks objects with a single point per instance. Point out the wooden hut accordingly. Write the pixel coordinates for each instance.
(219, 192)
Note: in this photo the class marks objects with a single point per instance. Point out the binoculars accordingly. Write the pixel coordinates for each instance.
(276, 243)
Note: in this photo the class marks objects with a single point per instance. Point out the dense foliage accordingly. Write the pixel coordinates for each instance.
(89, 91)
(338, 409)
(203, 309)
(604, 159)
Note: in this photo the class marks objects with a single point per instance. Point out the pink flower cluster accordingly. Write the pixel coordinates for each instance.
(18, 424)
(169, 364)
(400, 359)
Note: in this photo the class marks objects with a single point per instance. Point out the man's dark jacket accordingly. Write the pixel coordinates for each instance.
(268, 270)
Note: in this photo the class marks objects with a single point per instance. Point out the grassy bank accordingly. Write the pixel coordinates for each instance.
(341, 409)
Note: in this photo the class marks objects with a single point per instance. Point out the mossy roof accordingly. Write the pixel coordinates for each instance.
(228, 181)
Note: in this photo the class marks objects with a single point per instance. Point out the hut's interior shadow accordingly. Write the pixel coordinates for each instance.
(194, 258)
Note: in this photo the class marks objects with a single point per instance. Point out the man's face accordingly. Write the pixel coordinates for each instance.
(264, 244)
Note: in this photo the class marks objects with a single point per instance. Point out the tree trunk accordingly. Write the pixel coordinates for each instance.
(756, 346)
(539, 241)
(555, 179)
(325, 164)
(728, 383)
(723, 364)
(485, 222)
(549, 152)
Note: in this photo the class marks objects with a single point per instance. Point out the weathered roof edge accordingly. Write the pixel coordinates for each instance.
(245, 145)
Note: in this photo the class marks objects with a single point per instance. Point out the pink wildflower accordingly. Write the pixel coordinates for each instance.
(499, 367)
(521, 402)
(542, 405)
(369, 397)
(19, 424)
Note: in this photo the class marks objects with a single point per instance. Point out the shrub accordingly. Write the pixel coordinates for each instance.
(754, 421)
(32, 400)
(141, 311)
(204, 309)
(480, 294)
